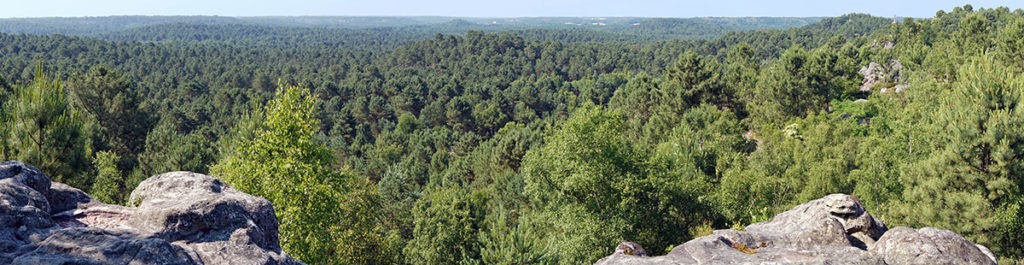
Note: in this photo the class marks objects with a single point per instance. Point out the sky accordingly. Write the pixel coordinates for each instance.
(480, 8)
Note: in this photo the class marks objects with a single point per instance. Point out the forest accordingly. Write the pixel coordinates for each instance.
(435, 141)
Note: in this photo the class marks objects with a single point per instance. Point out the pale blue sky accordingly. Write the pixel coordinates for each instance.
(505, 8)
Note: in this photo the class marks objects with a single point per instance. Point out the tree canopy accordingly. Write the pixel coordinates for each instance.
(454, 142)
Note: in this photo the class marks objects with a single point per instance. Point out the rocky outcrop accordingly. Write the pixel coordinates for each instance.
(181, 218)
(904, 245)
(884, 77)
(832, 230)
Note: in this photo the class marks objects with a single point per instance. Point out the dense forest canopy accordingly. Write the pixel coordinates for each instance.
(546, 140)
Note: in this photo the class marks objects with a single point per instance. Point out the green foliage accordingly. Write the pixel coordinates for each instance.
(694, 159)
(168, 150)
(114, 102)
(740, 77)
(434, 144)
(583, 181)
(641, 99)
(318, 208)
(111, 100)
(973, 36)
(971, 182)
(800, 83)
(447, 222)
(783, 89)
(1010, 44)
(108, 178)
(589, 187)
(502, 243)
(698, 80)
(43, 128)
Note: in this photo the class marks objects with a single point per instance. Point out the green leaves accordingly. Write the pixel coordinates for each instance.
(697, 80)
(799, 83)
(542, 146)
(447, 222)
(42, 128)
(590, 187)
(318, 207)
(972, 182)
(109, 181)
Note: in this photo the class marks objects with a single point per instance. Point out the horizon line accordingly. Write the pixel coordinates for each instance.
(433, 16)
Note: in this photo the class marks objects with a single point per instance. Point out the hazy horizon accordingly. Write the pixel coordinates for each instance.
(477, 9)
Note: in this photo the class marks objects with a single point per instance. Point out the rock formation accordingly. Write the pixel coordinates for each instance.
(181, 218)
(883, 75)
(832, 230)
(630, 248)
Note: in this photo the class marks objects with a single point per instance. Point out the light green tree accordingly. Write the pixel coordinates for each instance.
(695, 156)
(326, 217)
(447, 222)
(590, 188)
(784, 90)
(740, 77)
(108, 178)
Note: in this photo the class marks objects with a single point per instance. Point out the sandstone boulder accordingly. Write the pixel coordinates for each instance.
(181, 218)
(905, 245)
(219, 222)
(835, 229)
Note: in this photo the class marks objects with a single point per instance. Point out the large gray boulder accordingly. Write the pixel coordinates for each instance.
(181, 218)
(905, 245)
(220, 223)
(834, 229)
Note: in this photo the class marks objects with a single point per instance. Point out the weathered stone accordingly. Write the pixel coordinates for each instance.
(835, 229)
(630, 248)
(215, 212)
(25, 174)
(624, 259)
(22, 206)
(905, 245)
(99, 246)
(875, 73)
(65, 198)
(24, 210)
(181, 218)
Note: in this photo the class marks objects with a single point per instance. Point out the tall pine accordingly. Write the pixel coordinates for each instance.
(43, 129)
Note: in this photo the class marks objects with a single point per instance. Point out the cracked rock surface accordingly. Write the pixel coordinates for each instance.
(181, 218)
(834, 229)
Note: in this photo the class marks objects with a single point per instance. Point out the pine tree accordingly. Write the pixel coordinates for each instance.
(110, 100)
(43, 129)
(971, 183)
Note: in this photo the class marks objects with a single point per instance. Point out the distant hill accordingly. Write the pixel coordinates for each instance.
(624, 28)
(98, 25)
